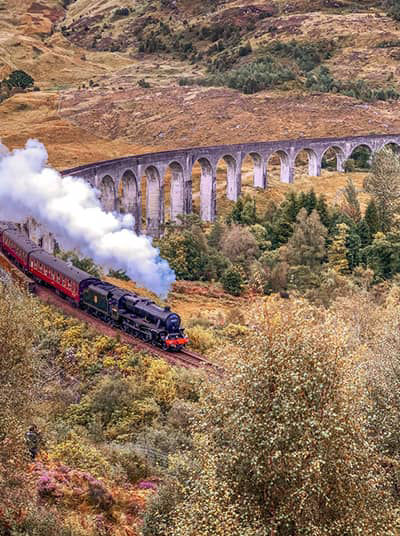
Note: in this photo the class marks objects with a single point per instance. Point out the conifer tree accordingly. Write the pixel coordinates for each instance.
(236, 214)
(353, 245)
(337, 253)
(323, 211)
(306, 246)
(372, 218)
(217, 230)
(351, 204)
(291, 206)
(364, 232)
(310, 201)
(383, 183)
(249, 211)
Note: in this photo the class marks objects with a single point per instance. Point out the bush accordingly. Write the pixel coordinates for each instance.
(124, 456)
(349, 165)
(322, 80)
(19, 79)
(122, 12)
(261, 74)
(232, 281)
(42, 522)
(269, 442)
(200, 338)
(307, 55)
(143, 83)
(77, 453)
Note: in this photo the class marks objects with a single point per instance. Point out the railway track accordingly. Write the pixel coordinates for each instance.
(184, 358)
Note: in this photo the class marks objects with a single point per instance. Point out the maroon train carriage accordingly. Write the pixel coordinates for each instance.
(66, 279)
(17, 245)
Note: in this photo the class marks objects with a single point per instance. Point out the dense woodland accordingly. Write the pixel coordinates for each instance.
(300, 437)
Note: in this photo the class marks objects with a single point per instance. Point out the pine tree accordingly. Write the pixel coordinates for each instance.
(383, 183)
(310, 201)
(306, 246)
(372, 218)
(353, 245)
(337, 254)
(249, 211)
(291, 206)
(323, 211)
(364, 232)
(236, 214)
(351, 205)
(214, 238)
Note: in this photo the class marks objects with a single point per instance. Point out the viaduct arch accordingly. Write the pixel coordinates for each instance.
(119, 181)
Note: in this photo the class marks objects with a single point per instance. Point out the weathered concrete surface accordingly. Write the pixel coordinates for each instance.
(110, 177)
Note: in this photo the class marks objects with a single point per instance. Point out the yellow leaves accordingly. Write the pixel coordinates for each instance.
(72, 337)
(161, 380)
(76, 453)
(201, 339)
(235, 331)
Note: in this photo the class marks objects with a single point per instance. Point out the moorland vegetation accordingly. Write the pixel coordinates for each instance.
(300, 437)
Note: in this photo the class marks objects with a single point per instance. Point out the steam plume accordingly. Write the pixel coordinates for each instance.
(69, 208)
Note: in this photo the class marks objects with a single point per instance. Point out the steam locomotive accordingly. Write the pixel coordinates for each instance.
(135, 315)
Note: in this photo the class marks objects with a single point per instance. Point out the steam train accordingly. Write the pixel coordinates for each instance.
(125, 310)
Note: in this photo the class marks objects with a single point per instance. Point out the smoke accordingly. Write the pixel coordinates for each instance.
(68, 207)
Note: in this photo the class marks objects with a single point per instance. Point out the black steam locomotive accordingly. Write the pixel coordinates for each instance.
(136, 315)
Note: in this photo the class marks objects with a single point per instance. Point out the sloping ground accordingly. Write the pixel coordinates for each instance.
(119, 118)
(182, 117)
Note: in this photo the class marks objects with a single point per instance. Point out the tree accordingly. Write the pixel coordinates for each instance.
(20, 79)
(279, 448)
(383, 255)
(364, 233)
(372, 218)
(310, 201)
(244, 211)
(353, 245)
(232, 281)
(383, 183)
(323, 211)
(249, 212)
(337, 253)
(261, 235)
(239, 245)
(83, 263)
(291, 206)
(306, 246)
(186, 251)
(214, 238)
(236, 214)
(351, 205)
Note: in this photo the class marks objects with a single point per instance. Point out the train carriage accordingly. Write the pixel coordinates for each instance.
(17, 245)
(66, 279)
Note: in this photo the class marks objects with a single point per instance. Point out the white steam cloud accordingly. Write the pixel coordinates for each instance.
(69, 208)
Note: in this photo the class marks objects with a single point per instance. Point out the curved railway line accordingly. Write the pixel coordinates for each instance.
(184, 358)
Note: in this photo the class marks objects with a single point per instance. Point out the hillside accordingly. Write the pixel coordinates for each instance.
(294, 292)
(89, 59)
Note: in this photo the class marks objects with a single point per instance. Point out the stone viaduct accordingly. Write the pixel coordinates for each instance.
(119, 181)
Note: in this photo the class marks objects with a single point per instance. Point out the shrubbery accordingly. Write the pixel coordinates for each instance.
(273, 434)
(323, 81)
